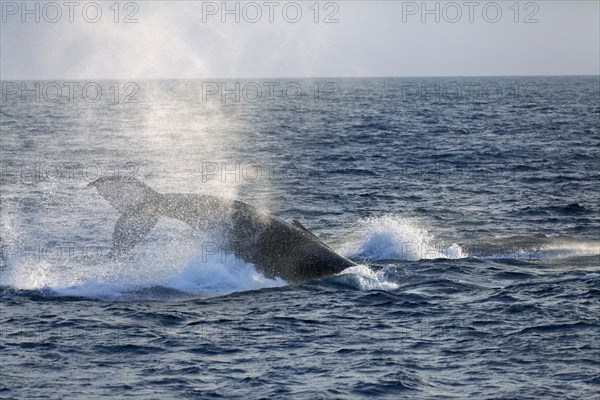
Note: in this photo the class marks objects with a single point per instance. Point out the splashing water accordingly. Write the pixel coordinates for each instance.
(173, 259)
(364, 278)
(393, 237)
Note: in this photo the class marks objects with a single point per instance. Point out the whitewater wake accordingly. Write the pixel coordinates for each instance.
(176, 260)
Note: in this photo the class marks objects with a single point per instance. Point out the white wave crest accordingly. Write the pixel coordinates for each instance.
(393, 237)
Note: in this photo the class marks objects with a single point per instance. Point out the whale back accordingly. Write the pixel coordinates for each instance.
(282, 249)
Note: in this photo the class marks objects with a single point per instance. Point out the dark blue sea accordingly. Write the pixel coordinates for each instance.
(471, 204)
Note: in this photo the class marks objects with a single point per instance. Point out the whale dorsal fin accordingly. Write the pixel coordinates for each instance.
(297, 224)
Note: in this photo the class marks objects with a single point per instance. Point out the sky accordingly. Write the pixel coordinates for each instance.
(277, 39)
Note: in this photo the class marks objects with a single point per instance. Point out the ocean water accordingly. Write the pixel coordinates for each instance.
(471, 204)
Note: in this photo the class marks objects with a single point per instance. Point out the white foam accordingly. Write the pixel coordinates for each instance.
(217, 278)
(364, 278)
(551, 251)
(179, 265)
(394, 237)
(174, 259)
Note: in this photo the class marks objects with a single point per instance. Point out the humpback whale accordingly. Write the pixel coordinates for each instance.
(276, 247)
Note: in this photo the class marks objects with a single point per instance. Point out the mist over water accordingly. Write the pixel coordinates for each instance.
(473, 216)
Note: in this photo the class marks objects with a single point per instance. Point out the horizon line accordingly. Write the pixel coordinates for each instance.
(312, 77)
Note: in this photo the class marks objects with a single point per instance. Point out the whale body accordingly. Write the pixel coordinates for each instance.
(276, 247)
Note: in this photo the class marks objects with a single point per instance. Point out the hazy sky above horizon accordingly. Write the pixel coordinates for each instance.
(186, 39)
